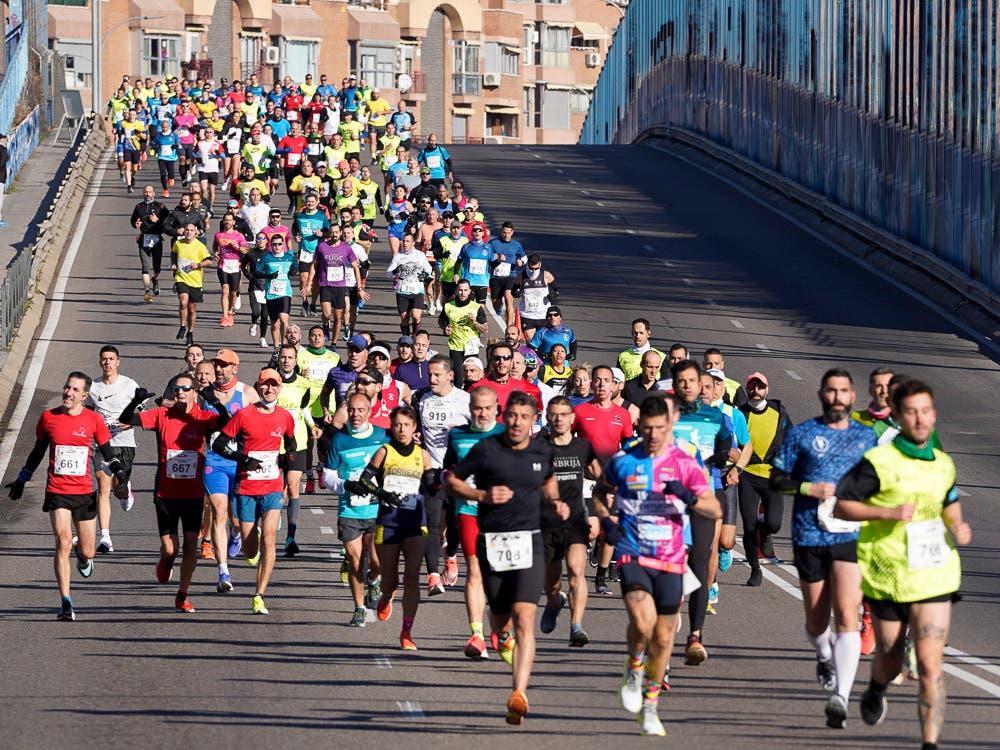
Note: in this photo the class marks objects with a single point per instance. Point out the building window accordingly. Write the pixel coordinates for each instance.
(75, 79)
(528, 48)
(579, 101)
(501, 58)
(378, 65)
(299, 59)
(578, 42)
(554, 46)
(555, 109)
(160, 56)
(530, 110)
(250, 52)
(465, 69)
(501, 124)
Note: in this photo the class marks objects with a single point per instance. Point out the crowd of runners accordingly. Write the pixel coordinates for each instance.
(503, 452)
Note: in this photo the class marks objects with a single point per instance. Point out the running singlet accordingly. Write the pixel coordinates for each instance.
(534, 301)
(348, 456)
(314, 367)
(227, 246)
(605, 429)
(438, 414)
(503, 391)
(180, 442)
(69, 439)
(212, 459)
(386, 402)
(460, 442)
(263, 433)
(813, 452)
(190, 255)
(401, 474)
(652, 523)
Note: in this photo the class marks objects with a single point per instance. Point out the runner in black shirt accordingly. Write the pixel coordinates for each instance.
(513, 478)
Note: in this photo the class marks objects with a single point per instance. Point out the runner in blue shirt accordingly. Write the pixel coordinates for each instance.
(508, 257)
(473, 264)
(552, 333)
(437, 159)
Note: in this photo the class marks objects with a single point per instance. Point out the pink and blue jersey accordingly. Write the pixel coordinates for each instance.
(653, 524)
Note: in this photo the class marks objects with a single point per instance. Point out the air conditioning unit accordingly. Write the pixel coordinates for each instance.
(492, 80)
(593, 59)
(271, 55)
(400, 60)
(535, 36)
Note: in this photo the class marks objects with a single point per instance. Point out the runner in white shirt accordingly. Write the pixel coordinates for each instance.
(210, 152)
(109, 395)
(255, 211)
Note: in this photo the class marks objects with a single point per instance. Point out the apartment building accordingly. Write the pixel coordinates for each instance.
(496, 71)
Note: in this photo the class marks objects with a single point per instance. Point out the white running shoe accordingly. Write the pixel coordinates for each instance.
(649, 721)
(129, 500)
(630, 694)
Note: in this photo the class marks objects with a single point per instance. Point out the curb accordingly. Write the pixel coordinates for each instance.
(53, 236)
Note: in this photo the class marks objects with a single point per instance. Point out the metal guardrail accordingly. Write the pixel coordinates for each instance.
(866, 102)
(17, 288)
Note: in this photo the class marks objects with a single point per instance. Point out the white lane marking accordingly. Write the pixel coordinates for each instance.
(411, 708)
(793, 375)
(762, 347)
(572, 182)
(667, 263)
(559, 171)
(584, 192)
(614, 217)
(630, 231)
(316, 511)
(55, 304)
(537, 156)
(326, 530)
(689, 282)
(735, 322)
(382, 662)
(974, 661)
(649, 248)
(548, 164)
(961, 492)
(599, 203)
(711, 303)
(974, 680)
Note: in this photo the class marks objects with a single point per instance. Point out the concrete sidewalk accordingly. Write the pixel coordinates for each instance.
(31, 195)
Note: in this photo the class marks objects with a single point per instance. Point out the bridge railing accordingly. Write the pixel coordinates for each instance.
(886, 108)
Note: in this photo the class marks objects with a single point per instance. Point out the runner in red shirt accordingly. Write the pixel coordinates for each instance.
(256, 437)
(181, 431)
(292, 149)
(498, 379)
(67, 433)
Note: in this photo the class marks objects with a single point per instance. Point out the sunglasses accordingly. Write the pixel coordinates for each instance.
(185, 388)
(553, 315)
(502, 357)
(278, 242)
(366, 381)
(477, 230)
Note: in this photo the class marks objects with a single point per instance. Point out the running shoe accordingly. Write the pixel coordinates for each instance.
(475, 648)
(129, 500)
(910, 661)
(310, 487)
(105, 546)
(550, 615)
(156, 287)
(207, 550)
(505, 648)
(713, 593)
(434, 585)
(836, 712)
(257, 606)
(166, 193)
(630, 693)
(601, 586)
(252, 561)
(592, 554)
(725, 560)
(517, 707)
(291, 548)
(613, 572)
(406, 642)
(225, 583)
(223, 321)
(826, 676)
(85, 566)
(384, 609)
(66, 613)
(147, 297)
(263, 343)
(235, 545)
(867, 635)
(873, 707)
(238, 305)
(358, 618)
(164, 569)
(756, 577)
(649, 723)
(345, 572)
(665, 682)
(181, 604)
(767, 550)
(181, 332)
(695, 653)
(495, 641)
(578, 637)
(373, 592)
(253, 330)
(451, 570)
(189, 339)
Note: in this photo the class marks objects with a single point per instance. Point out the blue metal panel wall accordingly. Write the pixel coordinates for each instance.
(887, 107)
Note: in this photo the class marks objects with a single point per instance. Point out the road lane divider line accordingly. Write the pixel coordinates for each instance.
(762, 347)
(316, 511)
(736, 323)
(711, 303)
(793, 375)
(326, 530)
(973, 661)
(649, 248)
(667, 263)
(688, 282)
(382, 662)
(411, 709)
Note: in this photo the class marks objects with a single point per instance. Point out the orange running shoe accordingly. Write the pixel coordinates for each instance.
(517, 707)
(384, 609)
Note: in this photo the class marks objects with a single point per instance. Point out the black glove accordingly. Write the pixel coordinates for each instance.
(516, 292)
(208, 394)
(17, 486)
(354, 487)
(252, 464)
(392, 499)
(284, 462)
(141, 394)
(682, 493)
(612, 532)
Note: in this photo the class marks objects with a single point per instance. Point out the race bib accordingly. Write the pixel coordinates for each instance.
(268, 465)
(408, 489)
(477, 267)
(434, 161)
(150, 240)
(233, 144)
(314, 149)
(389, 160)
(318, 371)
(305, 256)
(511, 550)
(824, 516)
(166, 151)
(349, 275)
(502, 270)
(293, 159)
(315, 118)
(230, 265)
(334, 273)
(926, 545)
(260, 296)
(472, 347)
(71, 460)
(292, 115)
(588, 488)
(182, 464)
(277, 288)
(185, 266)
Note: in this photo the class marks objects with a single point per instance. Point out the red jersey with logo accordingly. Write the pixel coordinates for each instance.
(263, 434)
(382, 408)
(296, 146)
(604, 429)
(180, 441)
(69, 439)
(503, 391)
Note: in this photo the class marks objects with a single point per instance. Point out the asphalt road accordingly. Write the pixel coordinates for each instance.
(628, 231)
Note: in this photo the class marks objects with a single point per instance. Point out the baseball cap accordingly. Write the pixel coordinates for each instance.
(269, 375)
(343, 164)
(379, 349)
(616, 374)
(717, 374)
(554, 309)
(233, 203)
(320, 164)
(376, 91)
(757, 376)
(405, 341)
(352, 77)
(530, 361)
(228, 356)
(425, 170)
(358, 342)
(473, 361)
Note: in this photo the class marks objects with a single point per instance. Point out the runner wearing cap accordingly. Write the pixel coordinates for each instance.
(473, 371)
(274, 269)
(473, 261)
(341, 378)
(539, 292)
(554, 331)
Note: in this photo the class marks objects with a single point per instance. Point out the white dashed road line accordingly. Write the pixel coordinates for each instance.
(793, 375)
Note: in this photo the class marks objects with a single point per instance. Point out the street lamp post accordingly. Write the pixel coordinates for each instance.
(97, 48)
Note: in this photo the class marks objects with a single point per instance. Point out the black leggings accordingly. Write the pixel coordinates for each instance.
(433, 504)
(166, 172)
(258, 313)
(755, 490)
(702, 536)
